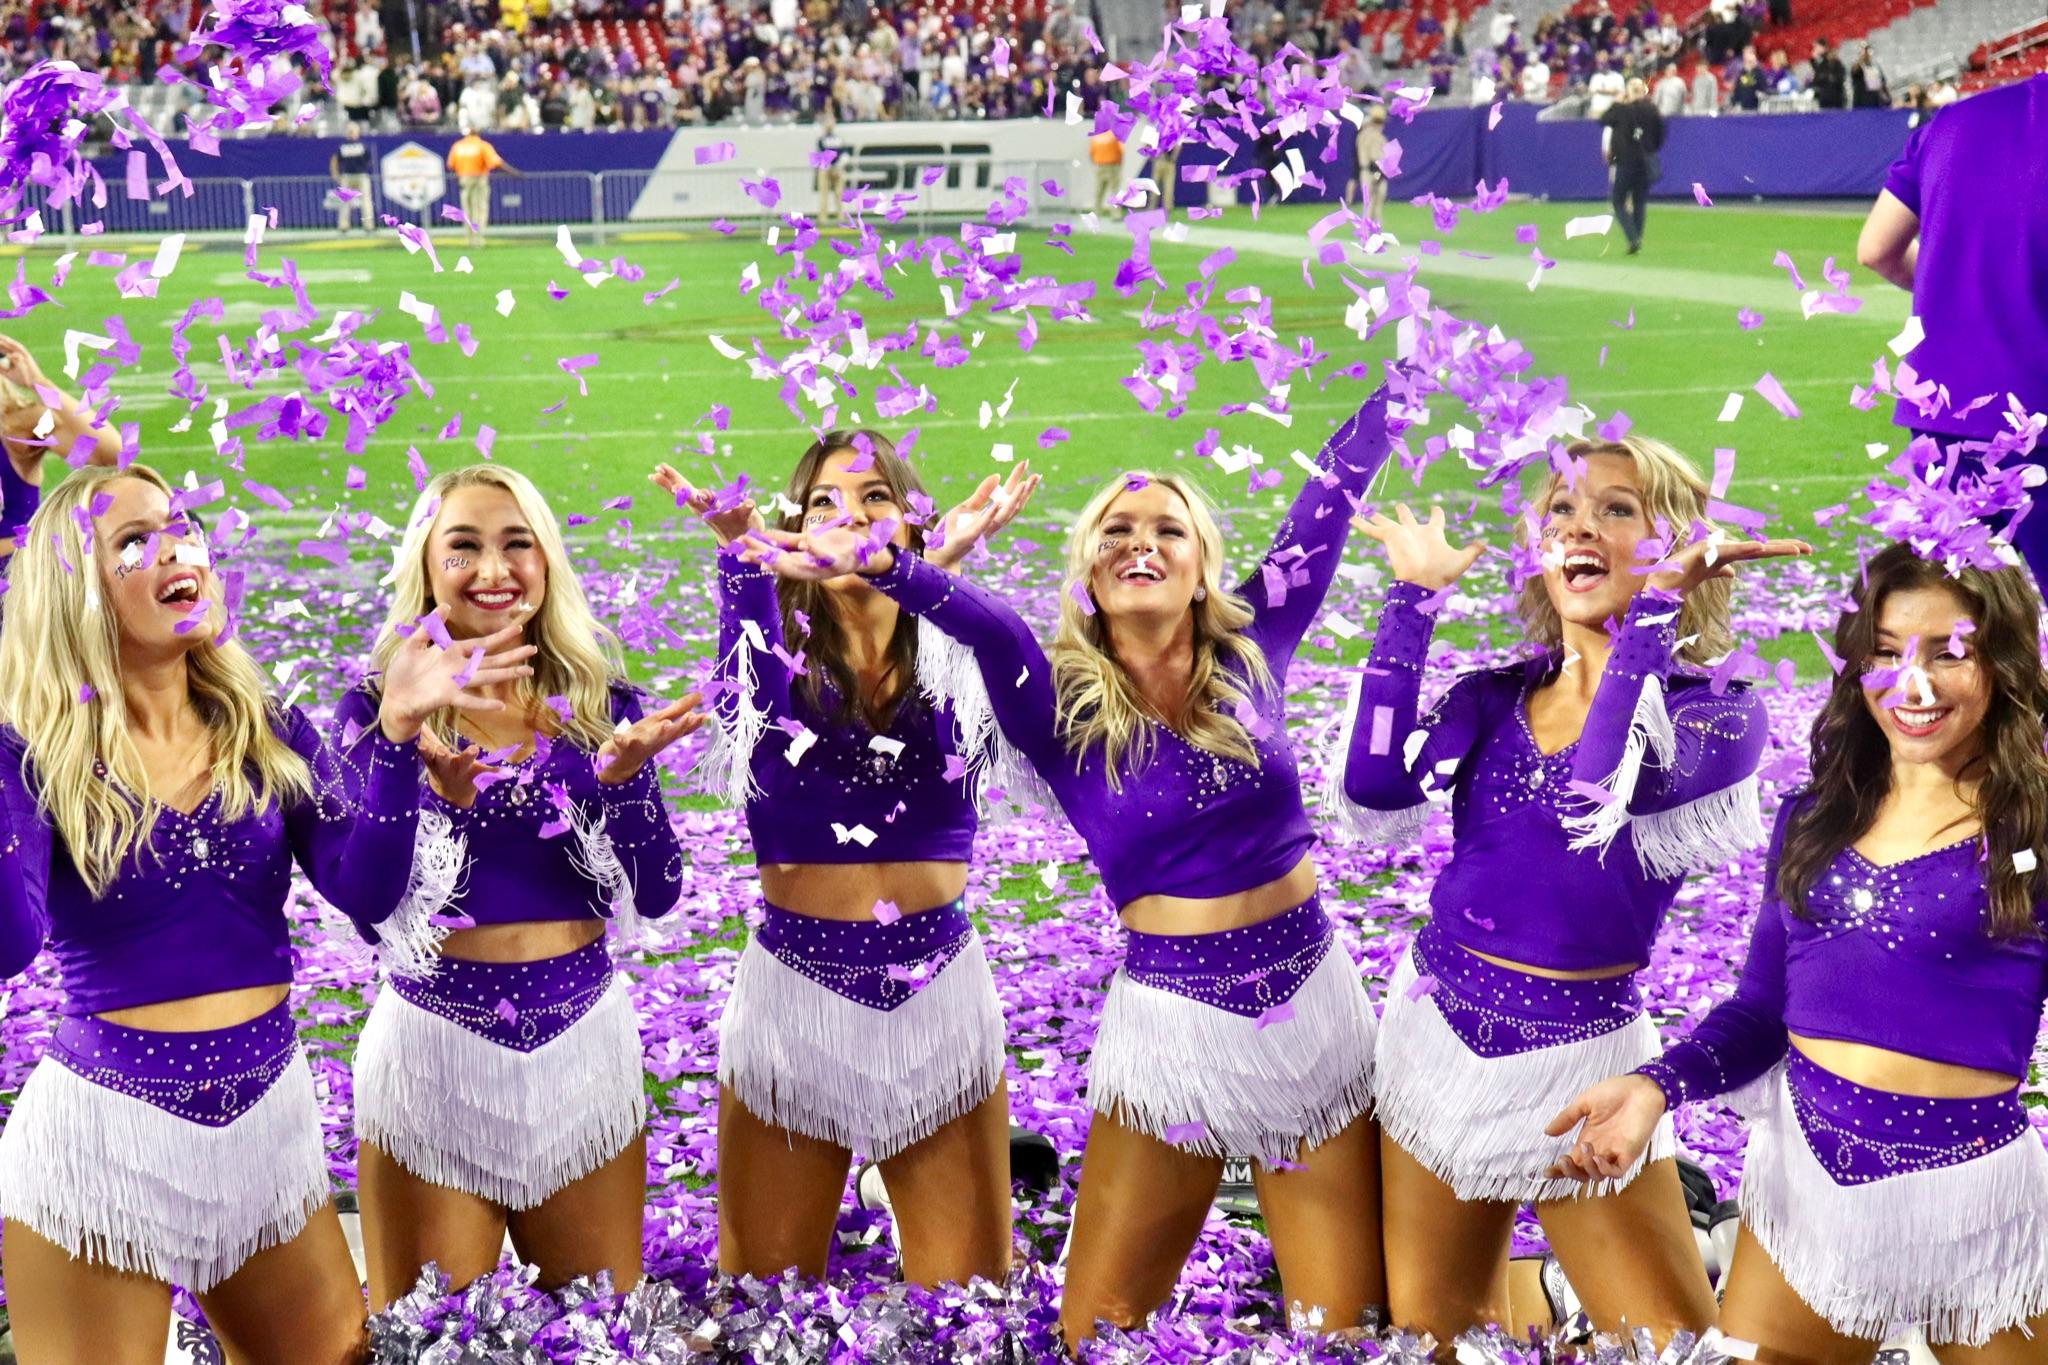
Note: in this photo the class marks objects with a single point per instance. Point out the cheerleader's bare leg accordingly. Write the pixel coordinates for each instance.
(408, 1221)
(62, 1308)
(1631, 1255)
(950, 1195)
(1447, 1258)
(1141, 1204)
(593, 1223)
(1324, 1222)
(294, 1304)
(778, 1194)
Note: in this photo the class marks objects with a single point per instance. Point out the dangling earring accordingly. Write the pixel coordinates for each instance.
(1201, 594)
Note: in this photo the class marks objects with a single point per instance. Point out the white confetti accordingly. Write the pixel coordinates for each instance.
(859, 834)
(1911, 335)
(1730, 408)
(1592, 225)
(505, 303)
(2023, 861)
(882, 744)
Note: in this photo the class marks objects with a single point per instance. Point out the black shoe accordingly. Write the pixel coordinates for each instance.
(1034, 1161)
(1700, 1199)
(1634, 247)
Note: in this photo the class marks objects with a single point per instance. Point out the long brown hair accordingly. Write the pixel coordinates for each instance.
(1851, 760)
(807, 610)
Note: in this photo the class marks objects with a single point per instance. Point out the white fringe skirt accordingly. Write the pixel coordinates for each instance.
(1475, 1059)
(1253, 1042)
(172, 1155)
(1888, 1211)
(869, 1035)
(508, 1080)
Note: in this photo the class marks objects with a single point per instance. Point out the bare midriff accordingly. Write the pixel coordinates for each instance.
(1881, 1069)
(1215, 914)
(1555, 973)
(849, 891)
(530, 941)
(198, 1013)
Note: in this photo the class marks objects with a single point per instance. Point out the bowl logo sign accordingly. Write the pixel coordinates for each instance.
(413, 176)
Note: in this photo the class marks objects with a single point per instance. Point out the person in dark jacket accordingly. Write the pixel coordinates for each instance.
(1631, 137)
(1830, 81)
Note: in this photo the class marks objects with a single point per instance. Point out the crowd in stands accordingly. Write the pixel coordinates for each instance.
(494, 65)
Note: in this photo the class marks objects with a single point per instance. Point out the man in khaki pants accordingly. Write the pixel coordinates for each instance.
(1108, 155)
(473, 159)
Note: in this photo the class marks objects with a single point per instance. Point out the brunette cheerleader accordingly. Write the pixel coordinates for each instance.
(1889, 1007)
(498, 1079)
(156, 798)
(863, 1016)
(1522, 985)
(1234, 1026)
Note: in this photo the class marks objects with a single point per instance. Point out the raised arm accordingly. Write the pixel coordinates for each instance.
(354, 834)
(1678, 771)
(1287, 588)
(1392, 762)
(1013, 667)
(636, 824)
(24, 864)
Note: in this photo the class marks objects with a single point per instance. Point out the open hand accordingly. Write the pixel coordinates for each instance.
(1418, 551)
(728, 524)
(816, 555)
(453, 772)
(1681, 572)
(1616, 1119)
(986, 510)
(423, 677)
(630, 749)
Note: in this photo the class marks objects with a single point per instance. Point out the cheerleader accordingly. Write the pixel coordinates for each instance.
(155, 801)
(1233, 1027)
(36, 419)
(862, 1016)
(1888, 1010)
(498, 1079)
(1521, 987)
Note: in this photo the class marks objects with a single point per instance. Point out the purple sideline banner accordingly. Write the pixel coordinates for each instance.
(1443, 151)
(1837, 153)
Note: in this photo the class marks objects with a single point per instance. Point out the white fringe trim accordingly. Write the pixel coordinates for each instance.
(803, 1057)
(727, 768)
(1649, 731)
(1361, 824)
(1961, 1251)
(1163, 1061)
(949, 674)
(409, 940)
(597, 858)
(119, 1182)
(512, 1127)
(1701, 834)
(1477, 1122)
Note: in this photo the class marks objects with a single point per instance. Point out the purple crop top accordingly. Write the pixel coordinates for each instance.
(547, 840)
(1190, 823)
(819, 790)
(202, 910)
(1894, 957)
(1679, 760)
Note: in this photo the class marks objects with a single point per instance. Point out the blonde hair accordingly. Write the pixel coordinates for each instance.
(1100, 705)
(1673, 493)
(59, 637)
(577, 658)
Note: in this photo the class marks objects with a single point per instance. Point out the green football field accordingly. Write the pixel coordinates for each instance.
(1655, 336)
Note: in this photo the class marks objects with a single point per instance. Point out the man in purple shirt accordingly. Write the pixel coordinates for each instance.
(1963, 223)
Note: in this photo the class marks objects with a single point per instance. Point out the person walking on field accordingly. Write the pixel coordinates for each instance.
(1372, 148)
(350, 167)
(1631, 138)
(473, 159)
(1108, 155)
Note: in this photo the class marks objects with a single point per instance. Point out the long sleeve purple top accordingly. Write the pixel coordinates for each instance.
(822, 790)
(1529, 878)
(1189, 823)
(201, 909)
(1894, 956)
(530, 836)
